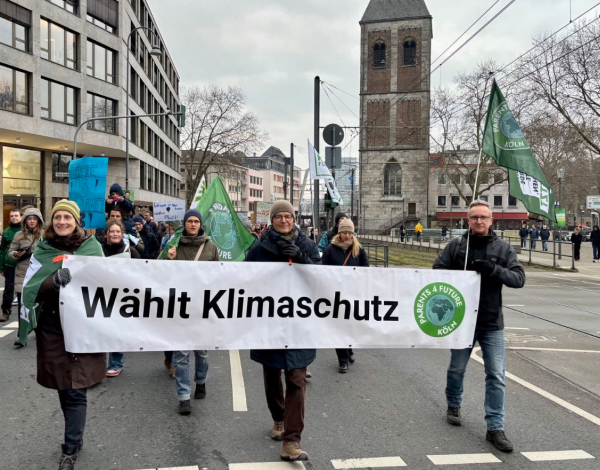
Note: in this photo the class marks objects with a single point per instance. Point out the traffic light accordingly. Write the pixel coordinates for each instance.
(329, 203)
(181, 115)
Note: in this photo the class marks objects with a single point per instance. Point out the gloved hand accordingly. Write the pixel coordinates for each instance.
(292, 251)
(483, 266)
(61, 278)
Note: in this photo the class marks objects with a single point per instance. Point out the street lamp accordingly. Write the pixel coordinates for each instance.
(155, 52)
(560, 172)
(582, 212)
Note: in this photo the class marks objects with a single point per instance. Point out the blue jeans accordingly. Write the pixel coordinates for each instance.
(492, 347)
(545, 245)
(523, 242)
(596, 250)
(115, 361)
(181, 362)
(533, 243)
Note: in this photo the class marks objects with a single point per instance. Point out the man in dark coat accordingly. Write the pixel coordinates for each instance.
(147, 235)
(283, 242)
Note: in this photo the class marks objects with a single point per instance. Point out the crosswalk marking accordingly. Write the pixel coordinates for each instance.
(14, 325)
(458, 459)
(557, 455)
(268, 466)
(377, 462)
(4, 333)
(195, 467)
(237, 382)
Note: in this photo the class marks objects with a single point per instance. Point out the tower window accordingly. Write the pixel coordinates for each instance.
(379, 55)
(392, 179)
(410, 52)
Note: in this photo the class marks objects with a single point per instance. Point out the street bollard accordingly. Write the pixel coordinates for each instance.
(530, 250)
(554, 254)
(572, 256)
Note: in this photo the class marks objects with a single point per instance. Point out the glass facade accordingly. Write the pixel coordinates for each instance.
(100, 62)
(58, 102)
(58, 45)
(14, 90)
(98, 106)
(21, 172)
(13, 34)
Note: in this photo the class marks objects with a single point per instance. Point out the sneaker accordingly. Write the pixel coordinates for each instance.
(67, 462)
(5, 316)
(308, 374)
(277, 431)
(185, 407)
(200, 392)
(113, 372)
(500, 441)
(343, 367)
(291, 452)
(453, 416)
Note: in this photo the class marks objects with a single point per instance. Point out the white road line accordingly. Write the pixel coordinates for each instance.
(586, 351)
(14, 325)
(195, 467)
(237, 382)
(4, 333)
(268, 466)
(557, 455)
(514, 328)
(515, 305)
(458, 459)
(559, 401)
(376, 462)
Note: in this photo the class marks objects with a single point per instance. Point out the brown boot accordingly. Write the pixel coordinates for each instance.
(291, 451)
(277, 431)
(5, 317)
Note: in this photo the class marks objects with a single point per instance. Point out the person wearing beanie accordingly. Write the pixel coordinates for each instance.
(146, 234)
(194, 245)
(8, 264)
(116, 199)
(328, 236)
(283, 242)
(345, 250)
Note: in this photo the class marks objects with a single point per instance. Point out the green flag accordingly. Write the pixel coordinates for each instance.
(221, 223)
(505, 143)
(44, 262)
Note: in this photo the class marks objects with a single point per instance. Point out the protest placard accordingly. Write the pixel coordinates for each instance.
(168, 211)
(87, 186)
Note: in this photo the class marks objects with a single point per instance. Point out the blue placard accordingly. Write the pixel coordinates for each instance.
(87, 184)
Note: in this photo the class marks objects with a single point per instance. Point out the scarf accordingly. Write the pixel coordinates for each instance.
(343, 245)
(280, 240)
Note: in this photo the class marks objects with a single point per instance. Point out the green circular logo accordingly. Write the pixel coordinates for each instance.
(439, 309)
(507, 133)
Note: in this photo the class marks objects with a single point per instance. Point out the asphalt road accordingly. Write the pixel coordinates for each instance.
(390, 404)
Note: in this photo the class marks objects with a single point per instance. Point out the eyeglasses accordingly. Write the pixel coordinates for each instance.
(287, 218)
(483, 218)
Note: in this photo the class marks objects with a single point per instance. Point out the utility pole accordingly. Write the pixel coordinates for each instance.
(285, 180)
(317, 139)
(352, 195)
(292, 173)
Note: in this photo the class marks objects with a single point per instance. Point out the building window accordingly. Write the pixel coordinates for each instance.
(497, 201)
(14, 34)
(441, 179)
(512, 201)
(468, 200)
(455, 201)
(14, 90)
(100, 62)
(410, 52)
(392, 179)
(58, 102)
(60, 167)
(379, 55)
(100, 23)
(442, 201)
(58, 45)
(69, 5)
(98, 106)
(483, 198)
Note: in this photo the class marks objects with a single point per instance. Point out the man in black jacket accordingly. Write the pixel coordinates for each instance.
(151, 246)
(283, 242)
(498, 265)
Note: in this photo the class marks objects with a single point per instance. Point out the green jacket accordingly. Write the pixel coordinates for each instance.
(7, 238)
(188, 248)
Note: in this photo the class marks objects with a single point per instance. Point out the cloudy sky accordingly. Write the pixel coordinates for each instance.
(273, 49)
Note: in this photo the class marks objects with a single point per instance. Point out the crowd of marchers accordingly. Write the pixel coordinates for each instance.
(280, 241)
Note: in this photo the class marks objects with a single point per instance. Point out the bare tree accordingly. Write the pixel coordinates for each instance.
(218, 131)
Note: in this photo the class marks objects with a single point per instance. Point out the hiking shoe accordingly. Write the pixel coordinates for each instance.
(5, 316)
(453, 416)
(500, 441)
(185, 407)
(113, 372)
(200, 392)
(67, 462)
(343, 367)
(277, 431)
(291, 452)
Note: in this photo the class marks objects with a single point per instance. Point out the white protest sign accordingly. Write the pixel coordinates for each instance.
(168, 211)
(214, 305)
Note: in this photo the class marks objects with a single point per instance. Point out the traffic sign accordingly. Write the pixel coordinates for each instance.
(333, 134)
(593, 202)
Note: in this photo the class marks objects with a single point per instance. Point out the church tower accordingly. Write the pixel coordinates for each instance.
(395, 98)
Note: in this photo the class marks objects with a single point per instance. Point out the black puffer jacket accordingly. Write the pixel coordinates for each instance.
(335, 256)
(508, 272)
(150, 243)
(264, 250)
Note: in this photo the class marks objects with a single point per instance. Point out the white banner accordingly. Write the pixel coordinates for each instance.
(168, 211)
(115, 304)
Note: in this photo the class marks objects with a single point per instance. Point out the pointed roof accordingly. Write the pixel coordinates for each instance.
(392, 10)
(273, 152)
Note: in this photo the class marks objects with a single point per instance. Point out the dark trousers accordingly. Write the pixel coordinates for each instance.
(169, 356)
(289, 409)
(74, 407)
(9, 289)
(343, 355)
(577, 251)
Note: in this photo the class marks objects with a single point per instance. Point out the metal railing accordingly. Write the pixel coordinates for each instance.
(560, 249)
(378, 254)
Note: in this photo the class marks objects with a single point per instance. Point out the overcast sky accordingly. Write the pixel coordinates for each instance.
(273, 49)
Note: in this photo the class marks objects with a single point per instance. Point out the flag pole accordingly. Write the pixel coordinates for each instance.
(474, 192)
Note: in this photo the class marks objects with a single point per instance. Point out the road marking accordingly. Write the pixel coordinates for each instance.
(587, 351)
(514, 328)
(14, 325)
(377, 462)
(237, 382)
(559, 401)
(458, 459)
(4, 333)
(195, 467)
(557, 455)
(268, 466)
(514, 305)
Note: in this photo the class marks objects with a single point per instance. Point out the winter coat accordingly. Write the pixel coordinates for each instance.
(151, 245)
(56, 368)
(326, 239)
(576, 238)
(335, 256)
(118, 249)
(419, 228)
(534, 234)
(545, 234)
(444, 231)
(188, 248)
(264, 250)
(7, 237)
(508, 272)
(23, 241)
(595, 237)
(523, 233)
